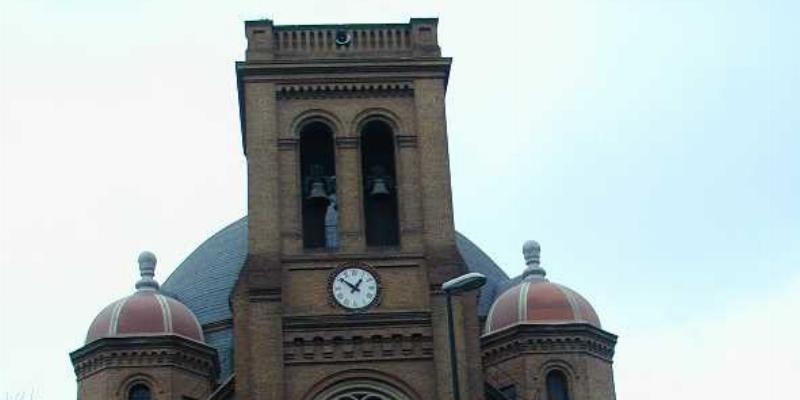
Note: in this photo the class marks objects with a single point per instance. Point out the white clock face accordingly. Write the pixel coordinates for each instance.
(354, 288)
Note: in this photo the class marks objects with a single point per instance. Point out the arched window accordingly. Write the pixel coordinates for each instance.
(318, 178)
(139, 392)
(380, 184)
(557, 386)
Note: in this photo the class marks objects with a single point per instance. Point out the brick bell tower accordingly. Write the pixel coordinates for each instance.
(350, 217)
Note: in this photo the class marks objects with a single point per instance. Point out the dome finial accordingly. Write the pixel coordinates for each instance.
(532, 251)
(147, 268)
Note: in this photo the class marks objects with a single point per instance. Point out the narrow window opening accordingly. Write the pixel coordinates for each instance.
(379, 183)
(139, 392)
(557, 386)
(318, 177)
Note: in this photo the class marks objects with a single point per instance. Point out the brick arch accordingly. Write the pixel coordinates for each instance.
(361, 381)
(380, 114)
(315, 115)
(560, 365)
(565, 368)
(136, 379)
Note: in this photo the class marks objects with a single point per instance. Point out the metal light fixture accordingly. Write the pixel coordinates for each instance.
(462, 284)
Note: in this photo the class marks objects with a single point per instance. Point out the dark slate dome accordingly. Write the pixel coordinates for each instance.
(203, 282)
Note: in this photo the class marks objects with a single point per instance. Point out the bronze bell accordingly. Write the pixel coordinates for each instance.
(317, 192)
(379, 188)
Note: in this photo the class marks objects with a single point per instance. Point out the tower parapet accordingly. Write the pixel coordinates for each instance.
(266, 41)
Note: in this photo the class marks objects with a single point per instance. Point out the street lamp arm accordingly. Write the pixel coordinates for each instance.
(464, 283)
(461, 284)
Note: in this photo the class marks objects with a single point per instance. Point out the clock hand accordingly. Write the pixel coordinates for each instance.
(352, 287)
(355, 288)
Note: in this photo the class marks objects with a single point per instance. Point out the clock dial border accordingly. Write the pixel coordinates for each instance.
(360, 265)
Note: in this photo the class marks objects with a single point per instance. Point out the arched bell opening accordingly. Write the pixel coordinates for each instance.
(318, 177)
(379, 184)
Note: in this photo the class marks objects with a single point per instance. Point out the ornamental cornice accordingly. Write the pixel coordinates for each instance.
(344, 90)
(357, 321)
(547, 339)
(264, 295)
(354, 346)
(405, 69)
(142, 351)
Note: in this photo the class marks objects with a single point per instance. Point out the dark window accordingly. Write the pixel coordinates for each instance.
(318, 177)
(557, 386)
(139, 392)
(380, 185)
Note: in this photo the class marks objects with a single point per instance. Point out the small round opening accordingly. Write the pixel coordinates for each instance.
(343, 38)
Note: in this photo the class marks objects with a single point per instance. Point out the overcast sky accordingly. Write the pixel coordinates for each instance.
(651, 147)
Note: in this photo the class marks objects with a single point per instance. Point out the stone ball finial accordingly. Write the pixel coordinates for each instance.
(532, 252)
(147, 269)
(147, 258)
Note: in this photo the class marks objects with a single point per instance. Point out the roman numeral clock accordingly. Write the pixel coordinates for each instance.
(354, 287)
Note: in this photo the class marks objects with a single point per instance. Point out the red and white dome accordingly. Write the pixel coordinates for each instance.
(535, 300)
(146, 312)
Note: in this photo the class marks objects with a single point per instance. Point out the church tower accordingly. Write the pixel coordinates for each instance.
(350, 231)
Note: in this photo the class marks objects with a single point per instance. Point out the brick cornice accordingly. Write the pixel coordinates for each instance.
(372, 256)
(356, 321)
(547, 339)
(348, 346)
(145, 351)
(345, 90)
(415, 68)
(357, 337)
(264, 295)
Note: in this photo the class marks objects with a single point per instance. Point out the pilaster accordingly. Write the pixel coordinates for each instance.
(348, 168)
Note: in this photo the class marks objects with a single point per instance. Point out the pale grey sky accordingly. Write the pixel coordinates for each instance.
(651, 147)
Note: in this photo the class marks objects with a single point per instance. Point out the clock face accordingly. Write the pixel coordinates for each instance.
(354, 287)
